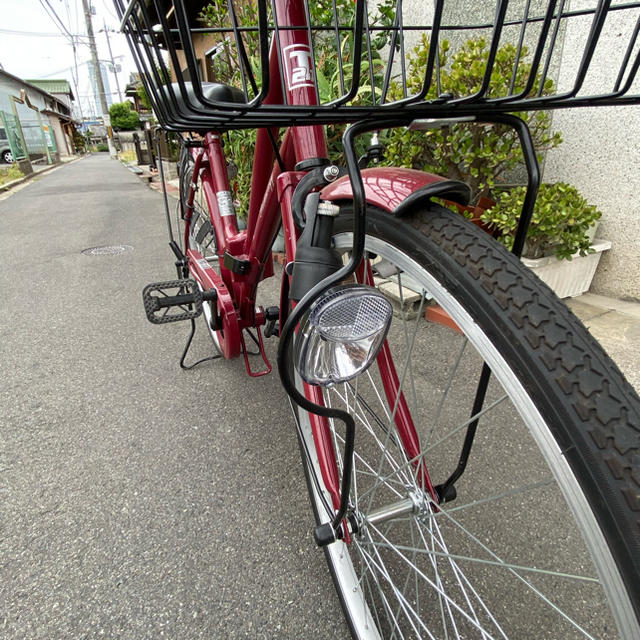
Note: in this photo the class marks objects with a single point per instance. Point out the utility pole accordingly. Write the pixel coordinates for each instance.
(113, 64)
(98, 75)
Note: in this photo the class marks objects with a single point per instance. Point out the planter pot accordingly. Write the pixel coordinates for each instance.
(474, 213)
(569, 278)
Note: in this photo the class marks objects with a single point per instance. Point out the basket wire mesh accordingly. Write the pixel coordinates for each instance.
(364, 59)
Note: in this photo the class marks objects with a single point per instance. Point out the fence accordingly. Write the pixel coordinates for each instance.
(39, 139)
(12, 128)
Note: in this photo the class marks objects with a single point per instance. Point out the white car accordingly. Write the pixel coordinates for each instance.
(5, 149)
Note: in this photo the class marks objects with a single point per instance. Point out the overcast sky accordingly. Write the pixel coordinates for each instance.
(32, 44)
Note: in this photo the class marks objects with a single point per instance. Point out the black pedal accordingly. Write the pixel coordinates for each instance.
(172, 301)
(271, 328)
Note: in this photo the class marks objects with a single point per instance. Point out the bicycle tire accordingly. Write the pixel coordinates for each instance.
(571, 397)
(204, 243)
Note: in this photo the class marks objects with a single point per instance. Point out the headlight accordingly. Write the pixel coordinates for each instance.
(341, 334)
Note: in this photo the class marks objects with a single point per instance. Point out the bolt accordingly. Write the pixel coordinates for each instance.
(331, 173)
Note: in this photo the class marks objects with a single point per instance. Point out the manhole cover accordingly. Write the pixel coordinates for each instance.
(108, 250)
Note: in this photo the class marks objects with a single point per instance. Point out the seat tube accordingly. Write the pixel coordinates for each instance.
(220, 177)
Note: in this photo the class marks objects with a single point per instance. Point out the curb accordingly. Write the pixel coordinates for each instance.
(7, 186)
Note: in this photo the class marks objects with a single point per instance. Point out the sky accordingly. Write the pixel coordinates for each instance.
(32, 45)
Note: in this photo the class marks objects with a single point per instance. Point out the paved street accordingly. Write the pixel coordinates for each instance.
(136, 500)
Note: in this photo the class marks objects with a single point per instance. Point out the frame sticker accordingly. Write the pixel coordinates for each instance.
(225, 203)
(297, 65)
(203, 264)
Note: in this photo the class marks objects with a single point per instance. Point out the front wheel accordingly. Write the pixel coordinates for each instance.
(543, 538)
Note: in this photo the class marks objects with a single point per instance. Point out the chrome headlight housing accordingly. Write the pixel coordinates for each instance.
(341, 334)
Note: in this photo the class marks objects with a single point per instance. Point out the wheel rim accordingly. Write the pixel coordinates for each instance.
(366, 569)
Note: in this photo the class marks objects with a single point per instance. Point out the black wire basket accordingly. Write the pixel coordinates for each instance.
(206, 64)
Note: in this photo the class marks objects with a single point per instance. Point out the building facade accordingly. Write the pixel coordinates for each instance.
(105, 84)
(37, 123)
(60, 122)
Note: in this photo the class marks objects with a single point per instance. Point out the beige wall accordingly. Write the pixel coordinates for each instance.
(64, 150)
(600, 154)
(201, 44)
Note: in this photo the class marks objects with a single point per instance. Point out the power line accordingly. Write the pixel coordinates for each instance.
(40, 34)
(53, 73)
(48, 75)
(68, 9)
(56, 17)
(92, 95)
(105, 6)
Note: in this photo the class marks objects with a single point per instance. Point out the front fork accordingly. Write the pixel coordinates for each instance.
(316, 269)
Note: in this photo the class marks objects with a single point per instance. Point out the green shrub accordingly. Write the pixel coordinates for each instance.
(239, 147)
(10, 173)
(102, 147)
(79, 141)
(478, 154)
(123, 118)
(560, 225)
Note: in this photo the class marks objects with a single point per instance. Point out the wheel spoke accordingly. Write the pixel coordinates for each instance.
(445, 394)
(420, 457)
(383, 446)
(495, 560)
(460, 577)
(377, 562)
(396, 550)
(403, 315)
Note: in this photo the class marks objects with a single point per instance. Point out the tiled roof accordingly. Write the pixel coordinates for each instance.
(53, 86)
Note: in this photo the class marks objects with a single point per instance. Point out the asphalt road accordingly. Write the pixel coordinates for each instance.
(136, 500)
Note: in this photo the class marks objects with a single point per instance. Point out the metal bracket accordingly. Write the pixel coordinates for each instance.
(236, 265)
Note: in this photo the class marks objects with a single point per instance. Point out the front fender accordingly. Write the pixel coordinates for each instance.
(396, 190)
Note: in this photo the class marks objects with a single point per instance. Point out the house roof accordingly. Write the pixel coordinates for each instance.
(53, 86)
(23, 82)
(58, 102)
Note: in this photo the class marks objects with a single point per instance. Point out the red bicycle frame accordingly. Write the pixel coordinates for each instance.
(272, 188)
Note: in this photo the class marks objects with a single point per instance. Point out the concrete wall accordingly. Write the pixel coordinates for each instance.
(601, 156)
(126, 142)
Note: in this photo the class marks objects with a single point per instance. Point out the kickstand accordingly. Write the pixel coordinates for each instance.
(186, 349)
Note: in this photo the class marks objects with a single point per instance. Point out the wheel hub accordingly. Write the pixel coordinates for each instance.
(417, 503)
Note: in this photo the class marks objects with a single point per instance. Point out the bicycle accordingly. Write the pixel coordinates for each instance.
(419, 471)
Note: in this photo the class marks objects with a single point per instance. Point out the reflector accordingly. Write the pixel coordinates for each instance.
(341, 334)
